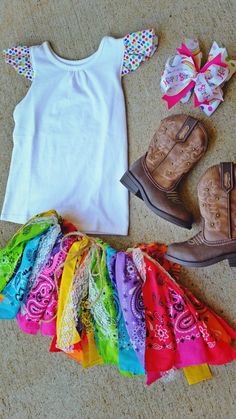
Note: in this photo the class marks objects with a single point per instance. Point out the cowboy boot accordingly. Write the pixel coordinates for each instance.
(217, 240)
(177, 145)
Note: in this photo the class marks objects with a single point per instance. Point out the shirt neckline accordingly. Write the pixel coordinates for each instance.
(72, 65)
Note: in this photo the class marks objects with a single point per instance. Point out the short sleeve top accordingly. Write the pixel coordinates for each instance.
(70, 134)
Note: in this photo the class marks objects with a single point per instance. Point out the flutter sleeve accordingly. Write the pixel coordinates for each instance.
(138, 47)
(20, 59)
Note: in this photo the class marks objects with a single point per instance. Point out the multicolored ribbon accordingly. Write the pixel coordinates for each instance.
(183, 75)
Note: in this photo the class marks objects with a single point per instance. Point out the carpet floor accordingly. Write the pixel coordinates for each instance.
(34, 383)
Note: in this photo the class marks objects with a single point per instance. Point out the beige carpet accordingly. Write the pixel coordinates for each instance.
(34, 383)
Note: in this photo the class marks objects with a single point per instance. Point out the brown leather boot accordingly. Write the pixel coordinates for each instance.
(217, 240)
(176, 146)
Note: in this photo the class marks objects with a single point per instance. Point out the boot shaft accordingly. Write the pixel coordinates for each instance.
(177, 145)
(217, 202)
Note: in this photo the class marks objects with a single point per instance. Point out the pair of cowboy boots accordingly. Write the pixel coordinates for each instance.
(175, 148)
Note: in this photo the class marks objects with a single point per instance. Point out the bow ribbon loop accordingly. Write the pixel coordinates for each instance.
(183, 75)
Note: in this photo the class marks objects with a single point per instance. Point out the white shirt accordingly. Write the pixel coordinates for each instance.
(70, 138)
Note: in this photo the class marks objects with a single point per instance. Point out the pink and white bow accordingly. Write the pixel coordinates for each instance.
(183, 75)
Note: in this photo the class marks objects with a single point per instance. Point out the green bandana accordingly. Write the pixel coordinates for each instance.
(12, 252)
(103, 307)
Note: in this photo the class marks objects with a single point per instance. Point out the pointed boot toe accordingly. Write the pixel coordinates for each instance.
(186, 253)
(217, 240)
(167, 205)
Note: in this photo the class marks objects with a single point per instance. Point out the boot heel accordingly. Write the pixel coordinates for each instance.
(232, 261)
(128, 182)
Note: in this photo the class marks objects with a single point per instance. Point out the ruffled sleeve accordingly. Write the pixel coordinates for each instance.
(20, 59)
(138, 47)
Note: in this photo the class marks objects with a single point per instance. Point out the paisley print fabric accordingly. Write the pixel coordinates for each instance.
(42, 299)
(178, 335)
(10, 255)
(127, 358)
(48, 321)
(129, 285)
(13, 293)
(114, 307)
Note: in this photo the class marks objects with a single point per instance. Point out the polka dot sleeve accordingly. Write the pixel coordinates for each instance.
(139, 47)
(19, 58)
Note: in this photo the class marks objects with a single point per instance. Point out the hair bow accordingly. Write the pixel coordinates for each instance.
(183, 75)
